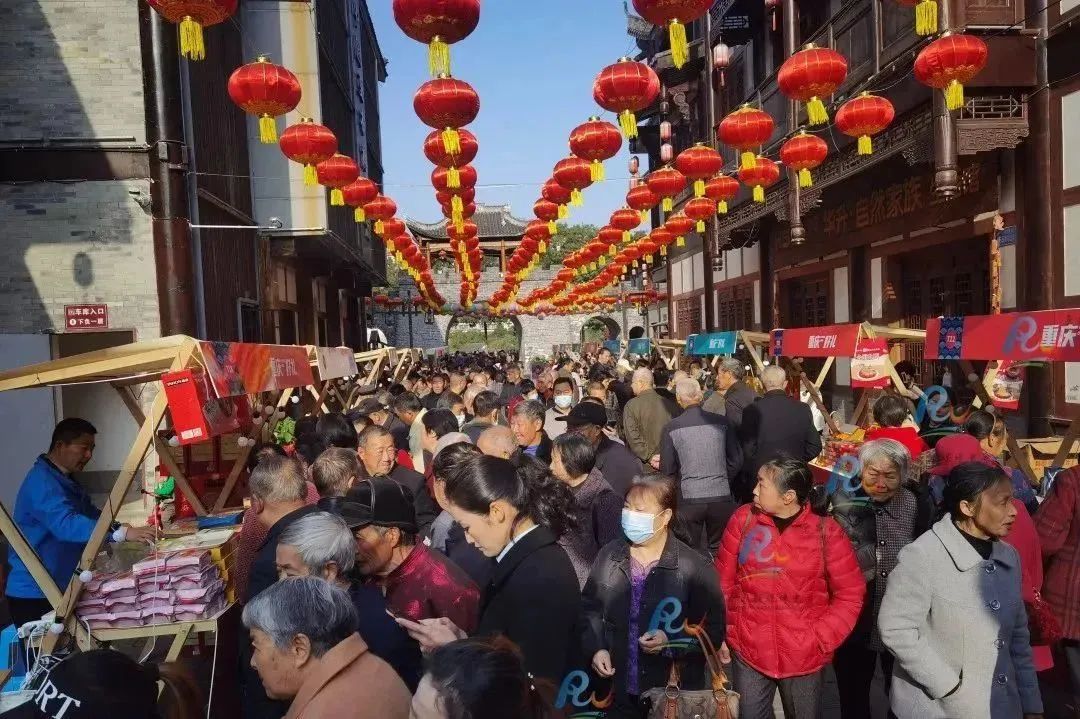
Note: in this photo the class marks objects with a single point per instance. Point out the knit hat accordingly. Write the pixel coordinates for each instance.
(99, 684)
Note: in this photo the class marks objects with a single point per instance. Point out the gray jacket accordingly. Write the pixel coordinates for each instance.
(958, 628)
(700, 449)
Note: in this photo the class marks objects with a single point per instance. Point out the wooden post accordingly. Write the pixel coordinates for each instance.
(983, 394)
(245, 452)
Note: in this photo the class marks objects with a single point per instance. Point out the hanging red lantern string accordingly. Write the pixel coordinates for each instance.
(642, 199)
(803, 153)
(625, 88)
(610, 237)
(466, 179)
(380, 209)
(547, 212)
(437, 154)
(539, 231)
(192, 16)
(438, 24)
(308, 143)
(392, 228)
(673, 14)
(720, 189)
(358, 194)
(626, 221)
(663, 238)
(763, 174)
(746, 129)
(596, 141)
(811, 74)
(949, 63)
(574, 174)
(552, 191)
(863, 117)
(447, 104)
(679, 225)
(700, 209)
(666, 183)
(698, 163)
(266, 91)
(926, 15)
(337, 172)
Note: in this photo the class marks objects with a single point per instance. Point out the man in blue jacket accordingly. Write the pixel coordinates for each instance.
(57, 518)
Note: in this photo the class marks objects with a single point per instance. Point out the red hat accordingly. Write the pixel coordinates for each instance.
(955, 449)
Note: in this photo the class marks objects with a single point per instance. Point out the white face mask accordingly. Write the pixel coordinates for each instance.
(563, 401)
(460, 419)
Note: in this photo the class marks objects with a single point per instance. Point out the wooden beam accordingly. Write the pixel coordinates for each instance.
(1072, 434)
(824, 373)
(245, 452)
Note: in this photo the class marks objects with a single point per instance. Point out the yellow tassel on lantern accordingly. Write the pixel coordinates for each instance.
(648, 259)
(267, 130)
(954, 94)
(359, 215)
(552, 227)
(311, 177)
(596, 171)
(749, 160)
(628, 123)
(866, 145)
(592, 267)
(644, 215)
(337, 199)
(668, 204)
(575, 198)
(602, 261)
(680, 49)
(805, 179)
(438, 57)
(626, 236)
(611, 250)
(635, 264)
(815, 112)
(459, 225)
(759, 193)
(699, 188)
(379, 227)
(453, 177)
(700, 226)
(680, 241)
(543, 247)
(191, 39)
(926, 17)
(564, 212)
(451, 141)
(663, 251)
(721, 207)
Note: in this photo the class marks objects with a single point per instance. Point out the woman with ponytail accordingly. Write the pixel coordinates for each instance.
(515, 512)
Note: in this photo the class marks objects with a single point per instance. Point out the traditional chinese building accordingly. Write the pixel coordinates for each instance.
(497, 229)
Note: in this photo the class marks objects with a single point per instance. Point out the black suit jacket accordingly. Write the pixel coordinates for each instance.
(738, 397)
(777, 424)
(534, 600)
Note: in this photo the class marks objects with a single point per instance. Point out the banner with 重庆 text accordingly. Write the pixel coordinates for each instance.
(826, 341)
(1050, 335)
(240, 368)
(714, 343)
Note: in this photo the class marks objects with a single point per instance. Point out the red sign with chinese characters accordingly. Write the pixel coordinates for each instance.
(196, 413)
(827, 341)
(86, 318)
(1051, 335)
(239, 368)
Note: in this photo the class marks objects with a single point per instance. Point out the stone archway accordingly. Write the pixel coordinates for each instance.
(468, 335)
(599, 328)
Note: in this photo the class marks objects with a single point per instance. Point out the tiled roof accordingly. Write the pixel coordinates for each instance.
(492, 222)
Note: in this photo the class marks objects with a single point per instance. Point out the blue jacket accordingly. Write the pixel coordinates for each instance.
(57, 518)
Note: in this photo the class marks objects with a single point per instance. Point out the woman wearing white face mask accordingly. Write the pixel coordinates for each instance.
(644, 591)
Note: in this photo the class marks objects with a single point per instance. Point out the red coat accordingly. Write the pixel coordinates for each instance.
(1025, 540)
(907, 436)
(792, 598)
(1058, 524)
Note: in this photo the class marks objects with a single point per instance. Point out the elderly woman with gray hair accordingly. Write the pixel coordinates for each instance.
(306, 651)
(880, 516)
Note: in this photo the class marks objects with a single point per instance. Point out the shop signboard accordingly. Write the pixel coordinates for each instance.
(825, 341)
(1047, 336)
(870, 364)
(86, 318)
(335, 362)
(713, 343)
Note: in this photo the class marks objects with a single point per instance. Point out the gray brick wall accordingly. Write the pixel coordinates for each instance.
(77, 243)
(70, 68)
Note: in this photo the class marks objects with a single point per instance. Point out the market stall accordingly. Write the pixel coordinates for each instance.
(717, 345)
(1009, 343)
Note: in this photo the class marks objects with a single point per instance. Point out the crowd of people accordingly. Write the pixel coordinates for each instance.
(488, 540)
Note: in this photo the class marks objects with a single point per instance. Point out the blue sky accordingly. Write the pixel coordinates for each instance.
(533, 65)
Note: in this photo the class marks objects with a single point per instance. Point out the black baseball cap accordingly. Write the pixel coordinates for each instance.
(388, 504)
(355, 514)
(585, 413)
(369, 406)
(98, 684)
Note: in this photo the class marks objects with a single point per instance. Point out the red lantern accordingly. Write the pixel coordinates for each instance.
(337, 172)
(192, 16)
(810, 74)
(575, 175)
(358, 194)
(662, 238)
(700, 209)
(721, 60)
(926, 15)
(539, 231)
(648, 248)
(678, 225)
(434, 151)
(466, 195)
(466, 232)
(697, 163)
(720, 189)
(441, 179)
(949, 63)
(552, 191)
(625, 88)
(447, 104)
(547, 212)
(596, 141)
(666, 183)
(864, 116)
(438, 24)
(380, 209)
(610, 237)
(803, 153)
(309, 144)
(393, 227)
(746, 129)
(642, 199)
(266, 91)
(626, 221)
(674, 13)
(763, 174)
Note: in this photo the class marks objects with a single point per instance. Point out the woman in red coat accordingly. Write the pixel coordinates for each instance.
(793, 589)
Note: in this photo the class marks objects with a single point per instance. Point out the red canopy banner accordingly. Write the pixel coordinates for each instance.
(827, 341)
(1050, 335)
(238, 368)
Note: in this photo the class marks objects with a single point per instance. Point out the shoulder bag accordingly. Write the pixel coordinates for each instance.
(719, 702)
